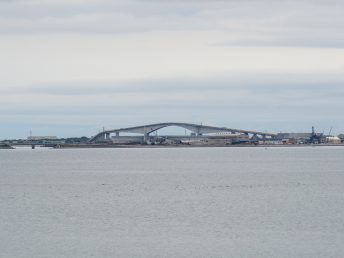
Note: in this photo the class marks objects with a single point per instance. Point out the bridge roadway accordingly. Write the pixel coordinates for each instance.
(195, 128)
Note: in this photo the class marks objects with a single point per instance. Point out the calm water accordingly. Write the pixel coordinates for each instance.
(206, 202)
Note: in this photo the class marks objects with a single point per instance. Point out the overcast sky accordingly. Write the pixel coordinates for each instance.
(70, 67)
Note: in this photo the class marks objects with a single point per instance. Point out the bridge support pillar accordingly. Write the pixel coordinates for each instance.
(145, 137)
(254, 138)
(107, 136)
(117, 134)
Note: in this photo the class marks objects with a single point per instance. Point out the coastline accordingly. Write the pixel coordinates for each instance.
(92, 146)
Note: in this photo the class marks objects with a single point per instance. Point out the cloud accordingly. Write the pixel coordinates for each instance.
(253, 23)
(78, 65)
(37, 59)
(282, 83)
(290, 94)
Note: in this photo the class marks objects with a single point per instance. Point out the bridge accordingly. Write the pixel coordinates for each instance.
(197, 129)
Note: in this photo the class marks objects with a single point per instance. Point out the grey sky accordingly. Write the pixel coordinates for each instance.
(67, 68)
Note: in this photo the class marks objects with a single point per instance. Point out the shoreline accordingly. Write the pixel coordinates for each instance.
(139, 146)
(105, 146)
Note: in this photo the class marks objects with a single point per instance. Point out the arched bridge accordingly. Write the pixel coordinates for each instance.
(195, 128)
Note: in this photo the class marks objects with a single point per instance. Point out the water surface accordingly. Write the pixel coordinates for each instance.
(178, 202)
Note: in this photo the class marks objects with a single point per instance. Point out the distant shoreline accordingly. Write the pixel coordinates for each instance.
(99, 146)
(138, 146)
